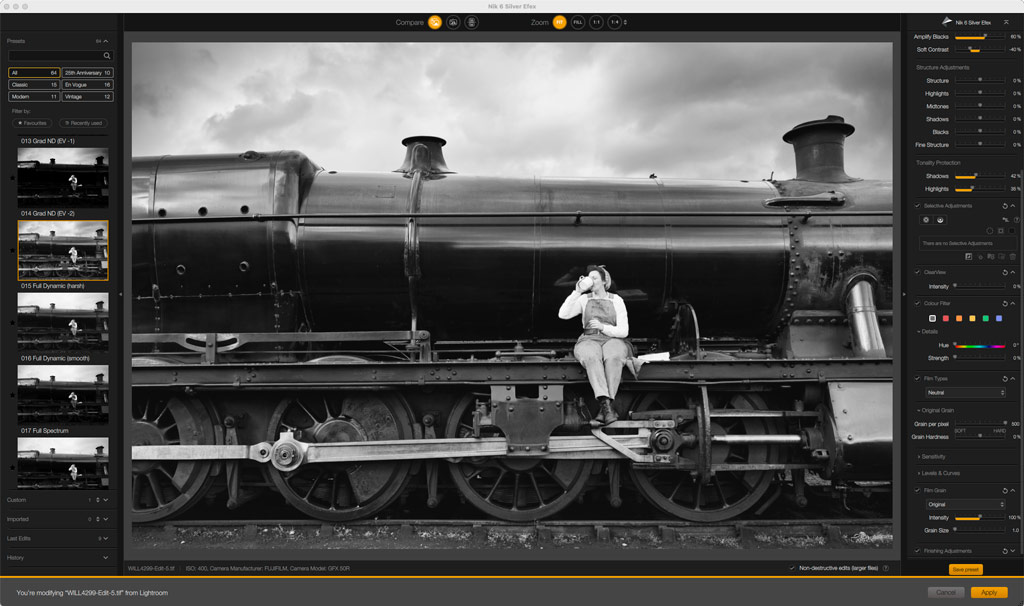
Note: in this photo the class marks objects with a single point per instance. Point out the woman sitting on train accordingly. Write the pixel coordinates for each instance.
(601, 348)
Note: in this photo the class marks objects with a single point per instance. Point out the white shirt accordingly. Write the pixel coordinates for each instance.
(575, 303)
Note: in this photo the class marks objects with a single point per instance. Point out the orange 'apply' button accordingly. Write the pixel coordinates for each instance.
(961, 570)
(990, 592)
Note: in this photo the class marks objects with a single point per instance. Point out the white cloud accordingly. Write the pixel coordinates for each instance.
(64, 155)
(69, 300)
(79, 229)
(696, 110)
(63, 372)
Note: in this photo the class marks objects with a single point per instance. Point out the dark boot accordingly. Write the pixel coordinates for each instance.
(607, 413)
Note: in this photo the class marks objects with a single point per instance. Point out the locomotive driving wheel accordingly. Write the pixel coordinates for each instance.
(513, 488)
(341, 492)
(726, 494)
(161, 489)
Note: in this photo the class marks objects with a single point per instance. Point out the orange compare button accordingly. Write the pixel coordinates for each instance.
(990, 592)
(960, 570)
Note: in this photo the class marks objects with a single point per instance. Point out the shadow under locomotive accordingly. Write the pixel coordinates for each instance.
(349, 339)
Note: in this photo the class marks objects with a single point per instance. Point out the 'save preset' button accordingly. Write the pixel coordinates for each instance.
(966, 570)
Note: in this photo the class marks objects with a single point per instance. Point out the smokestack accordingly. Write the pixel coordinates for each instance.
(53, 378)
(99, 160)
(53, 233)
(819, 149)
(99, 451)
(99, 378)
(424, 153)
(53, 306)
(99, 305)
(99, 233)
(53, 451)
(53, 161)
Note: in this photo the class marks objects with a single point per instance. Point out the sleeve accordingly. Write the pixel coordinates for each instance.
(621, 328)
(572, 306)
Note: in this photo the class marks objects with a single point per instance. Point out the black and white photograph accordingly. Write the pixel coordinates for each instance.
(55, 322)
(63, 177)
(639, 294)
(62, 250)
(63, 393)
(63, 464)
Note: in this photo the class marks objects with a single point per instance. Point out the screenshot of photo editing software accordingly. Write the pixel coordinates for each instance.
(489, 302)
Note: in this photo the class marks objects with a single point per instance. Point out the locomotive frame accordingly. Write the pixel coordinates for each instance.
(340, 422)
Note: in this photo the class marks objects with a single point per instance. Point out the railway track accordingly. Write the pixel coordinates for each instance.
(475, 534)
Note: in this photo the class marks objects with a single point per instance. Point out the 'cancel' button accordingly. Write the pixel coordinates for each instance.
(946, 592)
(990, 592)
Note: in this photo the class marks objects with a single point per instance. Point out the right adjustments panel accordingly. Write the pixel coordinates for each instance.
(963, 302)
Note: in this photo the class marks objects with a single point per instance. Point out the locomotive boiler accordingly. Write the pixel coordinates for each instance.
(342, 337)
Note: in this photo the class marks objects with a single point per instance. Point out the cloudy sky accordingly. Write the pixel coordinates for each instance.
(63, 228)
(63, 155)
(64, 300)
(691, 110)
(63, 372)
(63, 445)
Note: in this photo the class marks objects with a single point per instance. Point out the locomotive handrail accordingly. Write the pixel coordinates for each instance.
(258, 217)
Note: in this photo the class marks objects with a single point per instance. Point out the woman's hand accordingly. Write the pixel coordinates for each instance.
(596, 324)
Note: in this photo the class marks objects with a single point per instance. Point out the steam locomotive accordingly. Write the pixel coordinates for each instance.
(53, 470)
(49, 257)
(78, 185)
(346, 338)
(49, 328)
(42, 401)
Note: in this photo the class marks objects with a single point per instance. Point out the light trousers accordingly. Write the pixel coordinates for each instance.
(603, 361)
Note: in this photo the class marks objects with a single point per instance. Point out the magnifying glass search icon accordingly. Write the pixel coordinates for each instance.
(106, 55)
